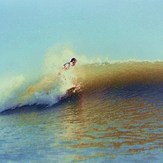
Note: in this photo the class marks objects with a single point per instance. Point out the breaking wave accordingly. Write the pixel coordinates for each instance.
(53, 84)
(46, 88)
(17, 92)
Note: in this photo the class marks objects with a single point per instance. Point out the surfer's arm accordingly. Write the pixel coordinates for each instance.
(66, 66)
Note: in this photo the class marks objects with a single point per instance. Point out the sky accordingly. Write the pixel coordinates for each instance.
(116, 29)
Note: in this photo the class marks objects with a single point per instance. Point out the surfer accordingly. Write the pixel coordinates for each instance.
(66, 67)
(72, 63)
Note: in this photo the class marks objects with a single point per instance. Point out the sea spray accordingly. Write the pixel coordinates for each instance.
(10, 88)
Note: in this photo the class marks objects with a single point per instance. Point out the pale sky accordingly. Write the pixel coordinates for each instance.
(117, 29)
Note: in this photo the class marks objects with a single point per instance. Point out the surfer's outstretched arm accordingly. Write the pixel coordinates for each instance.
(67, 65)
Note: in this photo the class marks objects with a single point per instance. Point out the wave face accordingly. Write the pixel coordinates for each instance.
(50, 87)
(118, 75)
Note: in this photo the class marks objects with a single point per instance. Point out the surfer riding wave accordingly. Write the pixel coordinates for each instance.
(67, 66)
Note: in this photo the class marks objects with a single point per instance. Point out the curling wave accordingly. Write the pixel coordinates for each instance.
(92, 77)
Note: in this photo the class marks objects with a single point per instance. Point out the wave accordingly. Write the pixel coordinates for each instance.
(48, 90)
(117, 75)
(51, 87)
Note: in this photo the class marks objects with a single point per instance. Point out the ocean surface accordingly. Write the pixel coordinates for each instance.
(117, 116)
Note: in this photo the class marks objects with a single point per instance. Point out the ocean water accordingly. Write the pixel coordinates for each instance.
(116, 117)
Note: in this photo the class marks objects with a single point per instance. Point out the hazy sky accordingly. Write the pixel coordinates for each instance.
(117, 29)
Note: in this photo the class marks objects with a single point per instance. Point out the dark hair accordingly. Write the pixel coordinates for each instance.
(73, 59)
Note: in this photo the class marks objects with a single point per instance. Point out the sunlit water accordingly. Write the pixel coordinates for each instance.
(110, 125)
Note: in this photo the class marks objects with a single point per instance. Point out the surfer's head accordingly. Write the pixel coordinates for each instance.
(73, 61)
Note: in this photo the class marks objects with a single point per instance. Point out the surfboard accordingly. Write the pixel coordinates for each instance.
(73, 91)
